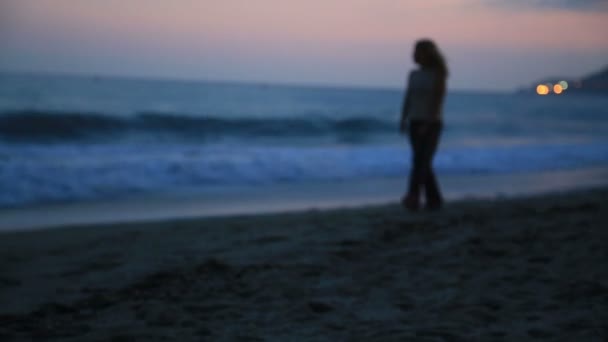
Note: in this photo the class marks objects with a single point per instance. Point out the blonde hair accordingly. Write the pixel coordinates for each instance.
(436, 59)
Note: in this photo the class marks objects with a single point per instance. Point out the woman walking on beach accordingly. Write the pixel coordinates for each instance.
(421, 117)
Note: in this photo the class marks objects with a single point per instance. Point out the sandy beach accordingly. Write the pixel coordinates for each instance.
(519, 269)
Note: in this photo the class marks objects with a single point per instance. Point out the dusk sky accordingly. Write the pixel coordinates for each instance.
(489, 44)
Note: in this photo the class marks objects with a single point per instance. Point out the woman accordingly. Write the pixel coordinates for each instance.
(422, 112)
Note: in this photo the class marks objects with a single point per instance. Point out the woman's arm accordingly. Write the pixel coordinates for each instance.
(405, 111)
(405, 107)
(438, 94)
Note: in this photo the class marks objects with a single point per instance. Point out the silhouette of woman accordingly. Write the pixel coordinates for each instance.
(421, 115)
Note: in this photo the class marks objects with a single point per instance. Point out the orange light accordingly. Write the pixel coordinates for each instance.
(558, 89)
(542, 89)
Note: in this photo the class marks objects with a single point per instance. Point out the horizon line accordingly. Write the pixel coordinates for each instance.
(293, 84)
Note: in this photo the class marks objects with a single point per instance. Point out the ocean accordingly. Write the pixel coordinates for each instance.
(72, 138)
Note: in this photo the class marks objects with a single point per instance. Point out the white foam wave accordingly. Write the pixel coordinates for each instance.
(32, 174)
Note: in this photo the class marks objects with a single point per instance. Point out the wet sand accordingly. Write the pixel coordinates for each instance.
(282, 198)
(523, 269)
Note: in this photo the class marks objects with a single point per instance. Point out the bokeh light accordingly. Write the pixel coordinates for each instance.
(564, 85)
(558, 89)
(542, 89)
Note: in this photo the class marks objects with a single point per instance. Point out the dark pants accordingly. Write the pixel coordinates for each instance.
(424, 138)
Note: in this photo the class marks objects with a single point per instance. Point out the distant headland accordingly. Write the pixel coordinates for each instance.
(593, 84)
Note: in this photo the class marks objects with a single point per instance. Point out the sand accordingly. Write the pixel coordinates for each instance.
(523, 269)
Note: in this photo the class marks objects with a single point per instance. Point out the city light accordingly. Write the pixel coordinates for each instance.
(548, 88)
(558, 89)
(542, 89)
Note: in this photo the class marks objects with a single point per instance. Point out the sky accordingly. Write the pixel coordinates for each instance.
(489, 44)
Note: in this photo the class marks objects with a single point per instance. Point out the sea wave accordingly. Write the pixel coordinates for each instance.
(39, 126)
(37, 173)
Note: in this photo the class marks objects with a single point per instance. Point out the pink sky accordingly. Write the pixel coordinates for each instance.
(350, 42)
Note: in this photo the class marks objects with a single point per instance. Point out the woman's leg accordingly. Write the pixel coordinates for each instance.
(434, 198)
(417, 172)
(432, 191)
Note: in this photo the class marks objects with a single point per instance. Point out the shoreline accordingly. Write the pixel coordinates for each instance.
(287, 198)
(509, 269)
